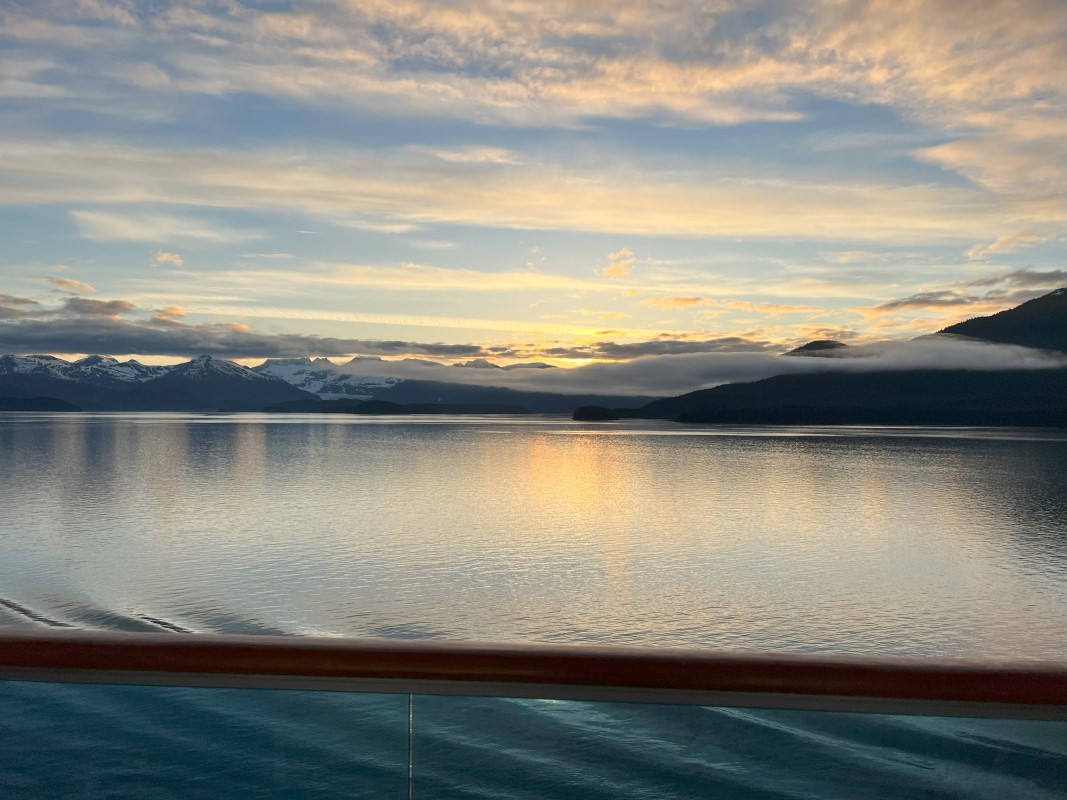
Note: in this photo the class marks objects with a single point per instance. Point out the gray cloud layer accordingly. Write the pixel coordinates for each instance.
(679, 373)
(1011, 288)
(83, 325)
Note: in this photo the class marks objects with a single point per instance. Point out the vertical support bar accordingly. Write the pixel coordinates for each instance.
(411, 747)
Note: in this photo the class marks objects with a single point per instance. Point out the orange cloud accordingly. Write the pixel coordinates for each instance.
(619, 263)
(163, 257)
(170, 313)
(69, 285)
(674, 302)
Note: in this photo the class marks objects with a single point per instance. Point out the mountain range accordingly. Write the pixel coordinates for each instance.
(100, 383)
(927, 396)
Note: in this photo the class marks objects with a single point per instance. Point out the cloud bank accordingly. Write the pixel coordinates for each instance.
(667, 375)
(665, 366)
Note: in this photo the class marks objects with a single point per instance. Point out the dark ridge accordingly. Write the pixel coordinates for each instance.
(36, 404)
(1041, 322)
(595, 414)
(82, 395)
(820, 347)
(415, 391)
(912, 397)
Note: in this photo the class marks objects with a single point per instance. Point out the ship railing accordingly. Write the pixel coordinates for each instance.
(1035, 690)
(66, 737)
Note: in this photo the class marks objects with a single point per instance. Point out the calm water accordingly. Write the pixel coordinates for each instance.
(925, 541)
(889, 541)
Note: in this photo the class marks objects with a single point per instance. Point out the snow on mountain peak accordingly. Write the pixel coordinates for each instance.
(206, 366)
(38, 364)
(322, 377)
(93, 360)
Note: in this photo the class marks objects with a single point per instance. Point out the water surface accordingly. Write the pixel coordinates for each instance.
(947, 542)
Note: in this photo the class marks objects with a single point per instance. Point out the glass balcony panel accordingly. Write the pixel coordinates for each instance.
(62, 740)
(95, 741)
(469, 747)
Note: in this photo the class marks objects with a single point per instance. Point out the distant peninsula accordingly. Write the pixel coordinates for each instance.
(942, 396)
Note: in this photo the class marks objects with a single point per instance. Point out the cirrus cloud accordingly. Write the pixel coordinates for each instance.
(107, 227)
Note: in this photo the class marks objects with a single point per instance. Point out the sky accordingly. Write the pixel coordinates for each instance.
(564, 181)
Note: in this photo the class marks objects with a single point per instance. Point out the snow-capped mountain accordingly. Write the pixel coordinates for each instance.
(208, 368)
(320, 376)
(212, 383)
(103, 383)
(42, 366)
(100, 383)
(91, 370)
(107, 371)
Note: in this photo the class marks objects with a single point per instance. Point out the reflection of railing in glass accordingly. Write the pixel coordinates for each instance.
(675, 722)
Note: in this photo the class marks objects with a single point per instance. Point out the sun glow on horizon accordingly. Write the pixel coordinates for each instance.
(487, 185)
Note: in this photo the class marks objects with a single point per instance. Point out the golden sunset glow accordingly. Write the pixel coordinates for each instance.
(524, 182)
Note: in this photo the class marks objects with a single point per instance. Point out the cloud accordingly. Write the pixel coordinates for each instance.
(943, 351)
(83, 306)
(677, 373)
(1021, 157)
(168, 314)
(119, 12)
(662, 366)
(104, 227)
(12, 307)
(983, 85)
(659, 347)
(1006, 244)
(22, 79)
(1010, 289)
(393, 192)
(471, 155)
(163, 257)
(374, 226)
(929, 300)
(561, 63)
(619, 263)
(433, 244)
(674, 302)
(1026, 278)
(617, 269)
(590, 312)
(415, 320)
(853, 256)
(411, 276)
(69, 284)
(80, 327)
(11, 300)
